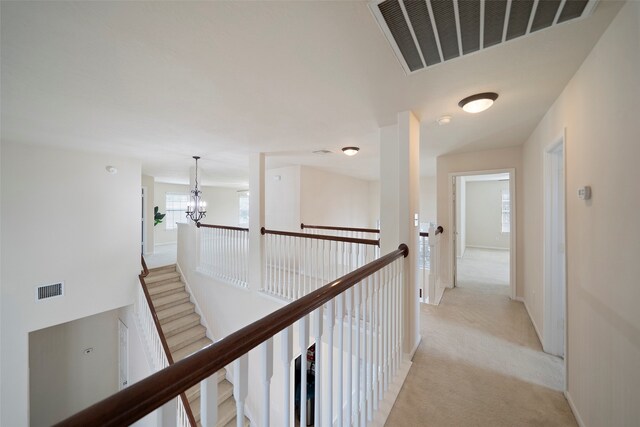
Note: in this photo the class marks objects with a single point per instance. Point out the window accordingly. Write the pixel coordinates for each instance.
(506, 211)
(176, 205)
(243, 208)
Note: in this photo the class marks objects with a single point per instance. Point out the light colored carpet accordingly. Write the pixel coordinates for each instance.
(484, 269)
(480, 364)
(163, 255)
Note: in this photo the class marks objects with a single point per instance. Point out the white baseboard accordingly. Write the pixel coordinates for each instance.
(493, 248)
(385, 406)
(532, 319)
(166, 243)
(576, 414)
(415, 348)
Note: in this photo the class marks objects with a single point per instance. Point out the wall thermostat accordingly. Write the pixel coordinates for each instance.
(584, 193)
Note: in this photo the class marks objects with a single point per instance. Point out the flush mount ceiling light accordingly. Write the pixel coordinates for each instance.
(321, 152)
(478, 102)
(351, 151)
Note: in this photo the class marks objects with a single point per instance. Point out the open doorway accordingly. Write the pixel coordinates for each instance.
(554, 250)
(483, 232)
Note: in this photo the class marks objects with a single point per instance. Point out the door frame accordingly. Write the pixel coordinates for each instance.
(513, 218)
(144, 220)
(548, 343)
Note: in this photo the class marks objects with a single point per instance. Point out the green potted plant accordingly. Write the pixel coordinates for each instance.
(157, 216)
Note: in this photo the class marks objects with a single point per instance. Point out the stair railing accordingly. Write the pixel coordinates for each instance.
(223, 252)
(298, 263)
(356, 232)
(157, 343)
(366, 304)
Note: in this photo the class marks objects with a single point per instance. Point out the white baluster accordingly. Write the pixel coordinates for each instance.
(340, 302)
(317, 335)
(169, 413)
(349, 355)
(286, 352)
(266, 360)
(357, 298)
(369, 353)
(240, 386)
(209, 401)
(376, 338)
(303, 331)
(329, 374)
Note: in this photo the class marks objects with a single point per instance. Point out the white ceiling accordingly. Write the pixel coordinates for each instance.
(162, 81)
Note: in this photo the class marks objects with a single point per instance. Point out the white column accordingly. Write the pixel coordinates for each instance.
(399, 205)
(256, 221)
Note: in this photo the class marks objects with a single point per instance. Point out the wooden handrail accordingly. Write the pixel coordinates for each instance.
(163, 340)
(329, 227)
(136, 401)
(221, 227)
(322, 237)
(439, 230)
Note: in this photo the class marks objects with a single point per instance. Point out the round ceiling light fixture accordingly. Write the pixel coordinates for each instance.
(478, 102)
(351, 151)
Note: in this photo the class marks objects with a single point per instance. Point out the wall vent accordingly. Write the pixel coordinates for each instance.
(423, 33)
(49, 291)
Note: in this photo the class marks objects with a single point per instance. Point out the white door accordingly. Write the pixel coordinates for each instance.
(123, 355)
(555, 286)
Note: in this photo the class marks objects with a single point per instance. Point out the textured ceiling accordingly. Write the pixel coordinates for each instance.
(162, 81)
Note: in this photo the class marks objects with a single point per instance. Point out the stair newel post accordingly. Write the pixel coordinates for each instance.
(317, 335)
(256, 264)
(287, 354)
(209, 401)
(240, 386)
(266, 360)
(303, 331)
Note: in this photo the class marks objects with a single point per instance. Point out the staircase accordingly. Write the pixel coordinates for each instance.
(186, 335)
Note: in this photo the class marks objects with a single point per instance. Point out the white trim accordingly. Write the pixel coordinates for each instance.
(384, 408)
(192, 298)
(166, 243)
(493, 248)
(144, 219)
(572, 405)
(512, 241)
(558, 142)
(415, 348)
(533, 322)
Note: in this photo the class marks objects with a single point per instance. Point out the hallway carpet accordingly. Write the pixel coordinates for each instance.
(480, 364)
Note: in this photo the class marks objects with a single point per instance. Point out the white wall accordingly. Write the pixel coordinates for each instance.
(65, 380)
(428, 212)
(374, 203)
(504, 158)
(63, 218)
(599, 108)
(484, 214)
(282, 198)
(222, 207)
(332, 199)
(149, 184)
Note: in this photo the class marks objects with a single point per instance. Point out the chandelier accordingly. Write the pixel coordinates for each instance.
(196, 208)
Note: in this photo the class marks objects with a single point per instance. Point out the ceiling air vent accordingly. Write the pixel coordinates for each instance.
(423, 33)
(49, 291)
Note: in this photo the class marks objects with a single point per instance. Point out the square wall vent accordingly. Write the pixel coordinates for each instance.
(423, 33)
(53, 290)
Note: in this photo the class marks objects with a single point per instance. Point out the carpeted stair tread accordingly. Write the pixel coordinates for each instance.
(190, 349)
(186, 338)
(159, 279)
(166, 289)
(163, 269)
(164, 302)
(180, 324)
(175, 312)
